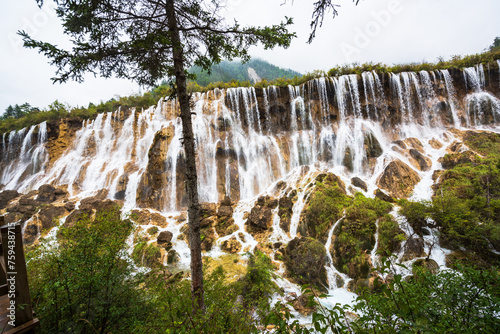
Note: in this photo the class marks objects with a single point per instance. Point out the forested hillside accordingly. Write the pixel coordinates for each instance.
(228, 71)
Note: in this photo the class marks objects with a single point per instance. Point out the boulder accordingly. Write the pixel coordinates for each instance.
(305, 304)
(164, 237)
(231, 245)
(357, 182)
(426, 264)
(6, 196)
(209, 221)
(347, 160)
(372, 284)
(225, 211)
(226, 201)
(423, 162)
(383, 196)
(372, 146)
(48, 193)
(413, 248)
(208, 209)
(304, 260)
(145, 217)
(415, 143)
(435, 144)
(152, 190)
(261, 215)
(398, 179)
(48, 214)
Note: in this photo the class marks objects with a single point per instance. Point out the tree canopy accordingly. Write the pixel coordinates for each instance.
(131, 39)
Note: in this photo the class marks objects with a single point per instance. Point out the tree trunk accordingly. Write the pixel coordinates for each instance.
(189, 148)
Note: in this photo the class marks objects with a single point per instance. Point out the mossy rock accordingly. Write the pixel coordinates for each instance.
(304, 259)
(324, 207)
(426, 265)
(146, 254)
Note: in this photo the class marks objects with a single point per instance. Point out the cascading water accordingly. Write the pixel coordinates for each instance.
(250, 141)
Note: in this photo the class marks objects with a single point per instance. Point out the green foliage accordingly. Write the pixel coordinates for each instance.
(173, 307)
(87, 284)
(465, 301)
(416, 213)
(305, 262)
(325, 206)
(455, 62)
(257, 285)
(356, 234)
(496, 45)
(390, 235)
(227, 72)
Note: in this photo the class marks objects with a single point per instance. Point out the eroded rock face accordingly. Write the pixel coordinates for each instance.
(6, 196)
(48, 214)
(261, 214)
(305, 262)
(285, 212)
(398, 179)
(152, 190)
(61, 136)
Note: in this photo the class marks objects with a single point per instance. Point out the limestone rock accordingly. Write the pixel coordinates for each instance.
(426, 265)
(285, 212)
(208, 209)
(398, 179)
(303, 304)
(164, 237)
(383, 196)
(413, 248)
(152, 190)
(357, 182)
(415, 143)
(225, 211)
(424, 163)
(261, 214)
(305, 262)
(372, 146)
(231, 245)
(48, 214)
(435, 144)
(6, 196)
(145, 217)
(48, 193)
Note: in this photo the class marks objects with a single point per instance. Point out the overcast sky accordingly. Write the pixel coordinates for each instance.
(388, 31)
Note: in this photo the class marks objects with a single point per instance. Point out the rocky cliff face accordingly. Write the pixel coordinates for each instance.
(275, 165)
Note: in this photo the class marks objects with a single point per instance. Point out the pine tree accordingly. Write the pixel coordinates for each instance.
(146, 41)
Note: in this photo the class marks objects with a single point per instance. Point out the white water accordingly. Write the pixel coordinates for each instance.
(275, 135)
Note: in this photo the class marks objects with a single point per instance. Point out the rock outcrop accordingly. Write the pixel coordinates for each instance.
(398, 179)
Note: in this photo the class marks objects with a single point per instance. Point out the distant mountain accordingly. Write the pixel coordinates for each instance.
(254, 71)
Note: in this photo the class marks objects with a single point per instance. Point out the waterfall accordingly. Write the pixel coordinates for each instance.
(452, 98)
(247, 139)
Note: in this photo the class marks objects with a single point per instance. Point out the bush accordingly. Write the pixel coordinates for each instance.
(465, 301)
(87, 284)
